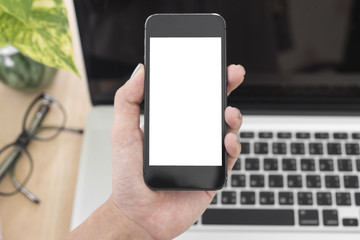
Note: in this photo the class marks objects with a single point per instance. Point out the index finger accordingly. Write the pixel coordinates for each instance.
(235, 76)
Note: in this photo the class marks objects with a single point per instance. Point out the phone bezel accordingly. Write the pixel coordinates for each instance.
(184, 177)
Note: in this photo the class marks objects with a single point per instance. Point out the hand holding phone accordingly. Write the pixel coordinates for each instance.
(133, 208)
(152, 214)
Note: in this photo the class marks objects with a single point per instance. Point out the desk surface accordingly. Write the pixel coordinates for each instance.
(55, 162)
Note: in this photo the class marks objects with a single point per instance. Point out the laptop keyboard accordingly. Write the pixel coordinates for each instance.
(291, 179)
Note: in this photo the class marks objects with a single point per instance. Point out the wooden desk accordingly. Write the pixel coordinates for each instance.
(55, 162)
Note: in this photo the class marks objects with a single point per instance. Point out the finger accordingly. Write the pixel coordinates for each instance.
(233, 149)
(235, 75)
(127, 100)
(233, 119)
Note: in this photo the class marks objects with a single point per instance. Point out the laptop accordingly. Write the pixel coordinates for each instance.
(298, 174)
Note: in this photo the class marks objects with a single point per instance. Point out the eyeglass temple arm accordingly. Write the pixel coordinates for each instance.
(23, 190)
(39, 117)
(23, 139)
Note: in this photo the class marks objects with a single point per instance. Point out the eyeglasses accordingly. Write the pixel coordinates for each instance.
(44, 120)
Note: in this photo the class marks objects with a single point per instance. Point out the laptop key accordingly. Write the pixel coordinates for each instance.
(257, 181)
(358, 164)
(356, 135)
(270, 164)
(350, 222)
(324, 198)
(247, 198)
(321, 135)
(303, 135)
(316, 148)
(289, 164)
(343, 199)
(286, 198)
(228, 197)
(330, 217)
(246, 135)
(214, 200)
(294, 181)
(307, 164)
(267, 198)
(351, 181)
(238, 180)
(297, 148)
(357, 199)
(261, 148)
(265, 217)
(265, 135)
(284, 135)
(332, 181)
(334, 148)
(313, 181)
(279, 148)
(326, 165)
(352, 149)
(245, 147)
(305, 198)
(344, 165)
(340, 135)
(308, 217)
(252, 164)
(276, 181)
(237, 165)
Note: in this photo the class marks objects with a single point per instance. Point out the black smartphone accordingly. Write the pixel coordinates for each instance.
(185, 100)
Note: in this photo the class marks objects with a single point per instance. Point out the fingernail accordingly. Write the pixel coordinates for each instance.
(240, 114)
(136, 70)
(241, 67)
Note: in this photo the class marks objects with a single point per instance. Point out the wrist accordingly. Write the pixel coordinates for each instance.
(122, 226)
(109, 222)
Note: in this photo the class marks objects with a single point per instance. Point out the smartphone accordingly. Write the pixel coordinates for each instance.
(185, 100)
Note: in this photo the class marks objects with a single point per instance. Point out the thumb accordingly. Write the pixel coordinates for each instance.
(127, 100)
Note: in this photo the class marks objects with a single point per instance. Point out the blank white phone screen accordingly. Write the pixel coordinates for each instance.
(185, 120)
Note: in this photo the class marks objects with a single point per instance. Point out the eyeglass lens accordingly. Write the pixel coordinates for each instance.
(20, 168)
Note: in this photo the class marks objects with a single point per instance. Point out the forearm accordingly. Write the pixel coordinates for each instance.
(108, 222)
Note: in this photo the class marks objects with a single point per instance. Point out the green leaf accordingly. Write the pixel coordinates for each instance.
(17, 8)
(45, 37)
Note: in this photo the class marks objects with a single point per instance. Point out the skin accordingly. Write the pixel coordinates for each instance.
(134, 211)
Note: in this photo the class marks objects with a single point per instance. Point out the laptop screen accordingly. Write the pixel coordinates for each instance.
(299, 55)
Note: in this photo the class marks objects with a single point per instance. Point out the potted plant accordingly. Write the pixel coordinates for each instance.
(34, 41)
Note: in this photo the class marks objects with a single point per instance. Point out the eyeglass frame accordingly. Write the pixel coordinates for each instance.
(24, 138)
